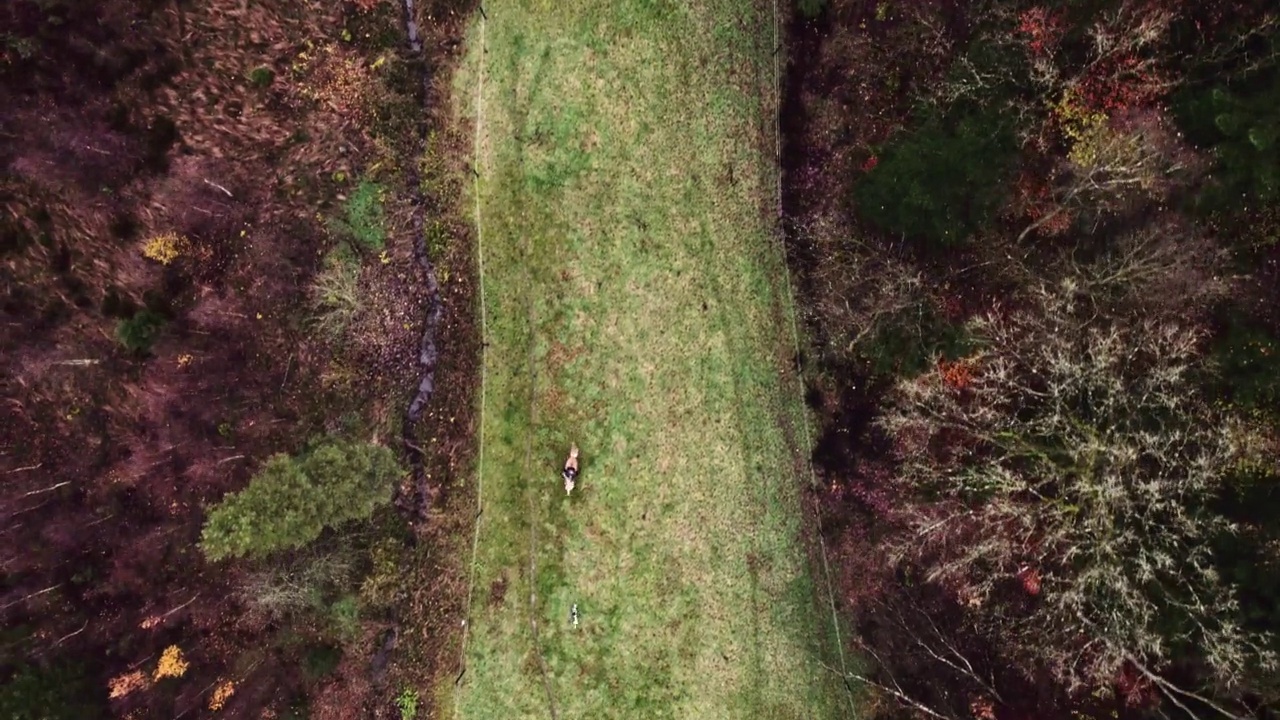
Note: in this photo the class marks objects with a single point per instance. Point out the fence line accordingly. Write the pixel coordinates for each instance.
(795, 339)
(533, 376)
(484, 334)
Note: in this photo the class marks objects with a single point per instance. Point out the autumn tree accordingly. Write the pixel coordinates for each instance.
(1072, 463)
(1166, 265)
(1083, 88)
(290, 501)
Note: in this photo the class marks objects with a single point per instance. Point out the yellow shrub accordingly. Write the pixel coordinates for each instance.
(165, 248)
(221, 694)
(171, 663)
(122, 685)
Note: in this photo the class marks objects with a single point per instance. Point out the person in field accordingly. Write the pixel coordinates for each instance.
(570, 471)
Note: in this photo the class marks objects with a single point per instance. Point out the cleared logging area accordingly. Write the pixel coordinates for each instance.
(635, 306)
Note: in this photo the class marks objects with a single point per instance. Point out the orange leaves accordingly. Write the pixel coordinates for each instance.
(344, 84)
(958, 374)
(122, 685)
(1029, 577)
(982, 708)
(1033, 200)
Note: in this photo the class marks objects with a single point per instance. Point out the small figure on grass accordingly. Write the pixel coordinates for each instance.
(570, 471)
(573, 614)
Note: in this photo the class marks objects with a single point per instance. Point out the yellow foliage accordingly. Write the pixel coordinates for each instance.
(165, 248)
(221, 694)
(171, 663)
(1087, 130)
(122, 685)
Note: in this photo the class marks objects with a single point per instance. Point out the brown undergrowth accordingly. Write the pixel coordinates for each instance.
(172, 177)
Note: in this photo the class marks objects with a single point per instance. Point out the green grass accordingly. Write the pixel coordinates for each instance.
(364, 217)
(634, 307)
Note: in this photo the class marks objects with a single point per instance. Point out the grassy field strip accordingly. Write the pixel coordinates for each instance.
(528, 471)
(624, 173)
(484, 333)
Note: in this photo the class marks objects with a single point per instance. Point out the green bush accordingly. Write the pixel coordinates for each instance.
(811, 8)
(364, 217)
(138, 333)
(944, 180)
(290, 501)
(1238, 118)
(56, 692)
(1248, 361)
(906, 345)
(407, 702)
(344, 616)
(261, 77)
(321, 661)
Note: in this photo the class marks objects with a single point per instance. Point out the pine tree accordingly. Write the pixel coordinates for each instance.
(1238, 118)
(292, 500)
(944, 180)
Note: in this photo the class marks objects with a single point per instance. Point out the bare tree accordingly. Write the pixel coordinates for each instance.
(281, 591)
(1076, 450)
(867, 289)
(1166, 265)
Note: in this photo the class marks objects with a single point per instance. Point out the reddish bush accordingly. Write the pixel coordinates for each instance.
(1042, 29)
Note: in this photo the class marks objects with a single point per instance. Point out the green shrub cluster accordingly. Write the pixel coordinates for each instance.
(290, 501)
(944, 180)
(907, 345)
(1238, 118)
(1248, 360)
(811, 8)
(138, 333)
(58, 691)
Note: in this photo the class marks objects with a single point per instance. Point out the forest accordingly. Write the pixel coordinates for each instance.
(1040, 260)
(224, 227)
(1036, 253)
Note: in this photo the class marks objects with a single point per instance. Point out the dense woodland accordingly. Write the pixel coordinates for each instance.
(1039, 246)
(214, 218)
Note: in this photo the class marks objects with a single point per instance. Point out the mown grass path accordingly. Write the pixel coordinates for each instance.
(634, 306)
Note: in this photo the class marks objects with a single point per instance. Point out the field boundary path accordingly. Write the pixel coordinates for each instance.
(631, 301)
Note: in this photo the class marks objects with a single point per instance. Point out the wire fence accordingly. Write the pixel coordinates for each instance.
(527, 470)
(807, 444)
(484, 333)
